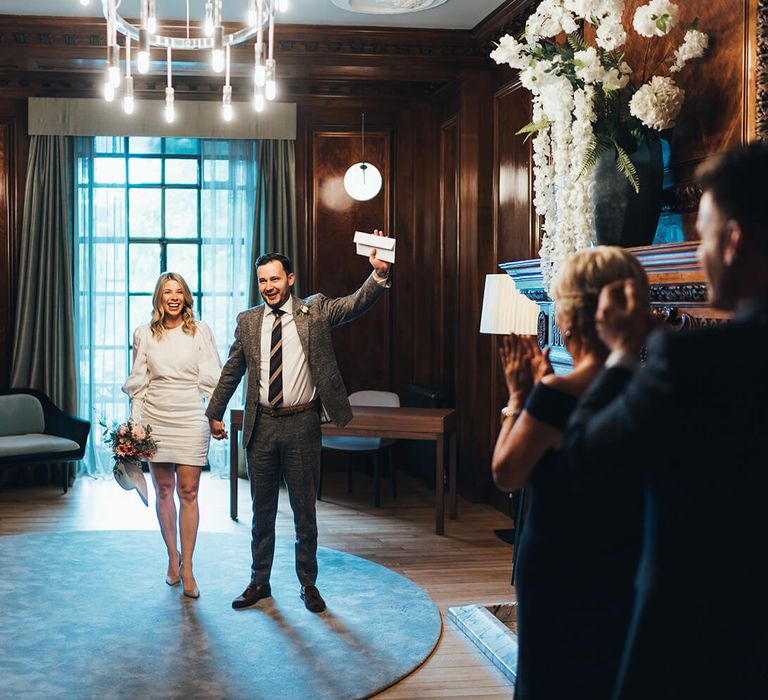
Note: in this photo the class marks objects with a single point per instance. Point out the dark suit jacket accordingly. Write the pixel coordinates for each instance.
(314, 330)
(694, 421)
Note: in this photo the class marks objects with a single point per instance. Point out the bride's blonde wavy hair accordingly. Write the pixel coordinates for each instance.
(158, 312)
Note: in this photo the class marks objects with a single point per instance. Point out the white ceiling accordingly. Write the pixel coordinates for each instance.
(453, 14)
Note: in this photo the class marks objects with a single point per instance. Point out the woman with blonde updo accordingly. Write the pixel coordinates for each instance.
(175, 364)
(580, 543)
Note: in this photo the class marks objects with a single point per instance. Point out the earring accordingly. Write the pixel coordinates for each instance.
(569, 334)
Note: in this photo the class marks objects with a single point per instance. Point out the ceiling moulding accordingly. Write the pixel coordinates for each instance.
(507, 19)
(387, 7)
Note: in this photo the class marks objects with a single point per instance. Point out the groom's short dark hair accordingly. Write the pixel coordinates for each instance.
(269, 257)
(736, 181)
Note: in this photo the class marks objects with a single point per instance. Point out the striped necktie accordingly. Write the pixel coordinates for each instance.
(276, 361)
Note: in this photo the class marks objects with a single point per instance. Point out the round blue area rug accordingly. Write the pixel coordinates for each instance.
(88, 615)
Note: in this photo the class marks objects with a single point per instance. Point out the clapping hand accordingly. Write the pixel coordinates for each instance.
(623, 320)
(381, 266)
(523, 364)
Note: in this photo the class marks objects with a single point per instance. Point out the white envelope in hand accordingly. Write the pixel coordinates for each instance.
(385, 246)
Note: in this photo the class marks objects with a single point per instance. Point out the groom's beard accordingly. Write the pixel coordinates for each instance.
(280, 300)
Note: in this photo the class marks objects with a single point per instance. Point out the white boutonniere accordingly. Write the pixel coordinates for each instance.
(303, 310)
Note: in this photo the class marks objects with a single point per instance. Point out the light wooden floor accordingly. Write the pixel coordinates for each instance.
(468, 565)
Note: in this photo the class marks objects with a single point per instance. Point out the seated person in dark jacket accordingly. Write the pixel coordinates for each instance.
(580, 544)
(696, 416)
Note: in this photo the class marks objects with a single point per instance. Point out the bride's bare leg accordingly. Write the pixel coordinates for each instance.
(164, 480)
(188, 484)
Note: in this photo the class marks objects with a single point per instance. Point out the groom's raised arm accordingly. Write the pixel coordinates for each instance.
(231, 374)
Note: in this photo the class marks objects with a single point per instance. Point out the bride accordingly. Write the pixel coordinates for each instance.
(175, 364)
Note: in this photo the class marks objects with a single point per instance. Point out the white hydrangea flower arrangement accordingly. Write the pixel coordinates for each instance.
(588, 101)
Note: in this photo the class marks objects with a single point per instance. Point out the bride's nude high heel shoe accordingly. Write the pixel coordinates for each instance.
(191, 592)
(174, 580)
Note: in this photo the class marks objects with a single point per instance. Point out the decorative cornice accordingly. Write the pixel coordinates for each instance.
(681, 320)
(680, 293)
(681, 198)
(538, 295)
(761, 90)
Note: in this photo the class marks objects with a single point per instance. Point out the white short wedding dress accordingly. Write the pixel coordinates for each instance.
(169, 378)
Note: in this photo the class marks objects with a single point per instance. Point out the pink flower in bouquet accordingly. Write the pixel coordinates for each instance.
(122, 430)
(138, 432)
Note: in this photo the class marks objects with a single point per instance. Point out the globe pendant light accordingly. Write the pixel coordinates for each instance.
(362, 181)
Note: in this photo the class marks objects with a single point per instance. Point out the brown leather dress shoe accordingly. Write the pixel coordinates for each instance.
(313, 601)
(252, 595)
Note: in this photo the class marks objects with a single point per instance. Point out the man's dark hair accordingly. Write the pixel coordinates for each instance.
(736, 181)
(269, 257)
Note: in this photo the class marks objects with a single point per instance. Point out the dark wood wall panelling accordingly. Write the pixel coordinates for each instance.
(14, 146)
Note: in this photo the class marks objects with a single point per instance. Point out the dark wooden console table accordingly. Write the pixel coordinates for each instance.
(434, 424)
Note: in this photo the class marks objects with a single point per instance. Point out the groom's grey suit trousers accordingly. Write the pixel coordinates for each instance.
(293, 444)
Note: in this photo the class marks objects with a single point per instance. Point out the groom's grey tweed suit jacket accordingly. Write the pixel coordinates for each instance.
(314, 330)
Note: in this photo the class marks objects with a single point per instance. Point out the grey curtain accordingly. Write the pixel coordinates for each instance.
(44, 334)
(275, 206)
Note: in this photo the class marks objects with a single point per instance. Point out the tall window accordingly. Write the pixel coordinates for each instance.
(147, 205)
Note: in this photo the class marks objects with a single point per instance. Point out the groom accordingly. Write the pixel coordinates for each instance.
(285, 344)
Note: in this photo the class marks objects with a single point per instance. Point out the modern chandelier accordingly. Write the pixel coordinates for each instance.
(207, 35)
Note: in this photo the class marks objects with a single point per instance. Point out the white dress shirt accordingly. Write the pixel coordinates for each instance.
(298, 386)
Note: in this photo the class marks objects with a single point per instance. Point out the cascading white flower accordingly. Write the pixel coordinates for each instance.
(610, 34)
(589, 67)
(657, 103)
(511, 52)
(656, 18)
(694, 45)
(617, 78)
(549, 19)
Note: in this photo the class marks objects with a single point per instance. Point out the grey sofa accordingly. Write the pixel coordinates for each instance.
(33, 430)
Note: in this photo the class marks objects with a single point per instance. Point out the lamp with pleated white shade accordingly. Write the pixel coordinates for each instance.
(505, 310)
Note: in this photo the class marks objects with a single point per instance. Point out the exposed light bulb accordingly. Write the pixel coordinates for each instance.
(260, 76)
(217, 56)
(253, 17)
(270, 89)
(170, 112)
(109, 91)
(113, 68)
(151, 24)
(283, 5)
(142, 59)
(258, 102)
(227, 110)
(217, 60)
(208, 25)
(128, 101)
(84, 3)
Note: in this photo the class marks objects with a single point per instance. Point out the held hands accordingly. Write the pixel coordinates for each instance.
(623, 320)
(380, 266)
(523, 364)
(217, 429)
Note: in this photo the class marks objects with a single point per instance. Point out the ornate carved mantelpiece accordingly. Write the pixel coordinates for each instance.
(678, 293)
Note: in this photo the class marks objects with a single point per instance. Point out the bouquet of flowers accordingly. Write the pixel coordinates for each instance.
(587, 101)
(130, 443)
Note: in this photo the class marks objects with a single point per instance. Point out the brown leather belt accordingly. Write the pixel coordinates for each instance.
(286, 410)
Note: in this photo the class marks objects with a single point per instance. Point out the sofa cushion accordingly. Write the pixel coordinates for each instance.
(33, 444)
(20, 414)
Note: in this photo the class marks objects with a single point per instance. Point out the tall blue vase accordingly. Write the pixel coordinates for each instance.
(624, 217)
